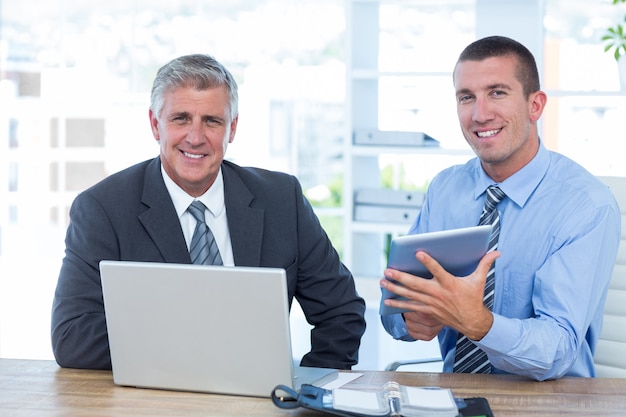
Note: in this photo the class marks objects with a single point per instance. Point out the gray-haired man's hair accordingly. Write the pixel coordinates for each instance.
(198, 71)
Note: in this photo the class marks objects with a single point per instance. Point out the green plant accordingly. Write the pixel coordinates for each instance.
(615, 37)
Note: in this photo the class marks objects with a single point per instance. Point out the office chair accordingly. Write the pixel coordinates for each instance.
(393, 366)
(610, 356)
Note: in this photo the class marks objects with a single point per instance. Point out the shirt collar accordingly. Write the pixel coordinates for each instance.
(213, 198)
(519, 186)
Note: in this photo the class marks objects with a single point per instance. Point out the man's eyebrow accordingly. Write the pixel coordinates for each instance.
(496, 86)
(178, 113)
(186, 114)
(500, 86)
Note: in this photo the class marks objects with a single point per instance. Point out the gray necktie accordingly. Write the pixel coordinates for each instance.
(203, 249)
(468, 357)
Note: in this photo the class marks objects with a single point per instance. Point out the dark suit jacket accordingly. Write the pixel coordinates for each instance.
(130, 216)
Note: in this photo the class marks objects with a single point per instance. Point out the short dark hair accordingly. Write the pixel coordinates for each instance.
(498, 46)
(198, 71)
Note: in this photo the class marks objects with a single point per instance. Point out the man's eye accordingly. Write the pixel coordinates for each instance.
(212, 122)
(464, 99)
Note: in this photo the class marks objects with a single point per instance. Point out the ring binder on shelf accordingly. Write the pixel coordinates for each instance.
(392, 138)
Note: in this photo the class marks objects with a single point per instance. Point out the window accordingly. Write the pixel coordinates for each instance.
(75, 82)
(586, 86)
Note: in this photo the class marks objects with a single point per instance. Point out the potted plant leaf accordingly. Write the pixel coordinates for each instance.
(615, 41)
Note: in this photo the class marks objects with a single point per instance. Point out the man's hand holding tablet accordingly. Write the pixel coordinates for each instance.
(458, 251)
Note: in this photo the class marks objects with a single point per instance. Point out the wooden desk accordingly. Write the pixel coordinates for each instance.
(42, 389)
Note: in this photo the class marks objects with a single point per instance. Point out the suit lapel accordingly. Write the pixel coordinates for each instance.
(160, 219)
(244, 222)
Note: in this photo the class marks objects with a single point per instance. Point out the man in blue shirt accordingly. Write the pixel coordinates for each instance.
(559, 233)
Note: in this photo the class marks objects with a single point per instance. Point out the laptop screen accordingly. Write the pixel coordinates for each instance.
(198, 328)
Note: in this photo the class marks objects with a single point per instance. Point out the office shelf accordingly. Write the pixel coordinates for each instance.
(364, 250)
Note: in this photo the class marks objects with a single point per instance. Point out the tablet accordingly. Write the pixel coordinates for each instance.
(458, 251)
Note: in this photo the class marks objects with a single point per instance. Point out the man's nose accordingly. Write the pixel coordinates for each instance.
(483, 110)
(195, 134)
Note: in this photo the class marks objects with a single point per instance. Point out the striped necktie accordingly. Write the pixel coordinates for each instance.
(203, 249)
(468, 357)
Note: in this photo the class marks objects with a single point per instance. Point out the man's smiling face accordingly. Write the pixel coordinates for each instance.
(193, 131)
(497, 119)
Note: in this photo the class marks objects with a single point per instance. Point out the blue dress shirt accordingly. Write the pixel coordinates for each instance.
(560, 230)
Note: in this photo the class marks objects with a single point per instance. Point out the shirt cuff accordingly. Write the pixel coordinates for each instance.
(396, 327)
(499, 337)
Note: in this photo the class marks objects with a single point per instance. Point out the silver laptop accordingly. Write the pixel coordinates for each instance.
(201, 328)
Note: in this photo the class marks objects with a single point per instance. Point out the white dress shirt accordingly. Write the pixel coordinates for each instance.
(215, 214)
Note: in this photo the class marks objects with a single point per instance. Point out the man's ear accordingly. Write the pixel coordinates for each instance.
(233, 129)
(154, 125)
(537, 102)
